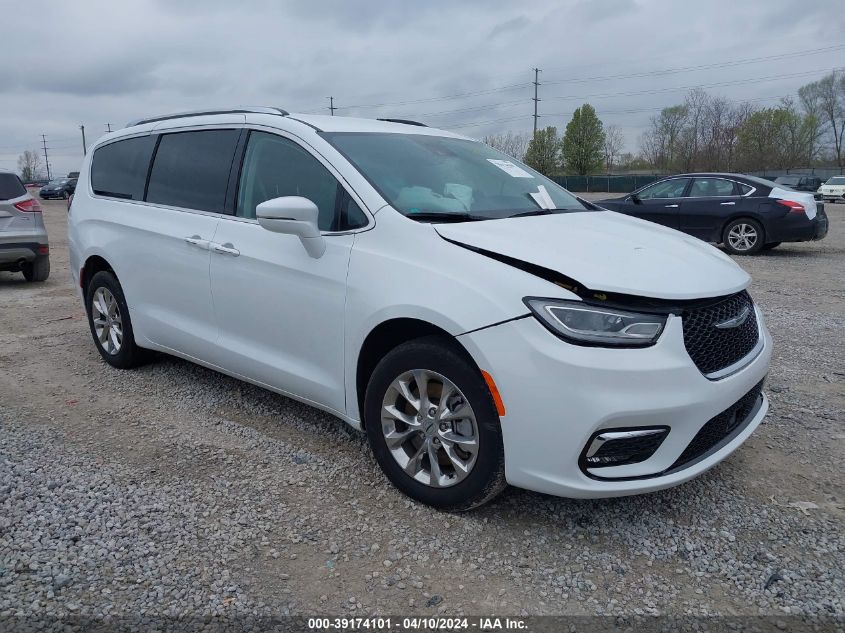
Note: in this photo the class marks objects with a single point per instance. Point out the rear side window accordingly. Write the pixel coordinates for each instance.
(745, 189)
(119, 169)
(11, 187)
(191, 169)
(711, 188)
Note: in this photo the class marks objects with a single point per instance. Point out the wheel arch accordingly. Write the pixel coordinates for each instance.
(93, 265)
(742, 216)
(385, 337)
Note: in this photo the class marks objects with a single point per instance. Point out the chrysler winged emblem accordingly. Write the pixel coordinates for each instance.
(736, 321)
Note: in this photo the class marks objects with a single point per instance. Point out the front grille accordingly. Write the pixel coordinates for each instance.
(720, 427)
(712, 348)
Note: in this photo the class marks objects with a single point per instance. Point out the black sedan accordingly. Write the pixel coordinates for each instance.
(744, 213)
(58, 188)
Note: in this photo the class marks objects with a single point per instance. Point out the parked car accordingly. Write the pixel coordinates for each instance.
(744, 213)
(40, 182)
(61, 188)
(477, 321)
(800, 182)
(23, 239)
(833, 190)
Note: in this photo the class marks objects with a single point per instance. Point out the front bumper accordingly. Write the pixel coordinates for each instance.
(557, 396)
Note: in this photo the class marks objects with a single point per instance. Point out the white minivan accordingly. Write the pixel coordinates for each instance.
(480, 323)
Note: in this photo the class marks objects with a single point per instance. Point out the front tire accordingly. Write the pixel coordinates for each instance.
(111, 326)
(433, 426)
(38, 269)
(743, 236)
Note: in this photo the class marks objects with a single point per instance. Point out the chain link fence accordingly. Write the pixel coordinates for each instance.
(606, 183)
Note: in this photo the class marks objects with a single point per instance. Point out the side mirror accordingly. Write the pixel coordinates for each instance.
(293, 215)
(636, 199)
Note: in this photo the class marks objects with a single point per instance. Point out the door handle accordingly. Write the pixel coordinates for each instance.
(225, 249)
(727, 204)
(671, 206)
(196, 240)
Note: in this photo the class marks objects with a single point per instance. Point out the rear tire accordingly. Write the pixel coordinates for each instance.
(110, 324)
(38, 269)
(743, 236)
(465, 474)
(771, 245)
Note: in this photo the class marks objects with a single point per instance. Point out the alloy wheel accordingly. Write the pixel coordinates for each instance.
(108, 323)
(742, 237)
(430, 428)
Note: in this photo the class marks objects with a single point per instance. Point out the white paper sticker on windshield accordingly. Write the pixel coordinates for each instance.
(509, 168)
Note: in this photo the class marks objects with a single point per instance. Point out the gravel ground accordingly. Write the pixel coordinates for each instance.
(175, 491)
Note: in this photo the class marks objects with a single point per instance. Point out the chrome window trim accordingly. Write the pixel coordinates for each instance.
(746, 360)
(307, 147)
(736, 195)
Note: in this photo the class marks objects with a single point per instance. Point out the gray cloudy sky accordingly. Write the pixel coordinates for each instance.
(97, 62)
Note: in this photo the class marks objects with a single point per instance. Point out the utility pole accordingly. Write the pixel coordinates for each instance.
(84, 146)
(331, 105)
(46, 159)
(108, 127)
(536, 99)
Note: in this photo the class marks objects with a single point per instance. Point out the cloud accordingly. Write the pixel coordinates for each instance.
(108, 62)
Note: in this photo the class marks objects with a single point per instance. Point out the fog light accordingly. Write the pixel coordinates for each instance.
(619, 447)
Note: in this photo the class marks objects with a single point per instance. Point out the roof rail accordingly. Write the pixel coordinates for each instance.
(182, 115)
(405, 121)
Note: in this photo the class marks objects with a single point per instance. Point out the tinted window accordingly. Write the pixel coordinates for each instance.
(666, 189)
(10, 187)
(119, 169)
(274, 167)
(711, 188)
(191, 169)
(745, 189)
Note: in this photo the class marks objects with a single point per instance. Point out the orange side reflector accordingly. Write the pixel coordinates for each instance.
(494, 391)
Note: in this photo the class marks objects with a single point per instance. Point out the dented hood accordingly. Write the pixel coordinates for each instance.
(608, 251)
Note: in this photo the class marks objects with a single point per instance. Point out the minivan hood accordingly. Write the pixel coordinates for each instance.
(608, 251)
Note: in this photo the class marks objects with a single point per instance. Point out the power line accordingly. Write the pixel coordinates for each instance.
(670, 71)
(713, 85)
(515, 86)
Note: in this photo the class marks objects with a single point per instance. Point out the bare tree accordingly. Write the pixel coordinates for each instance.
(614, 143)
(29, 163)
(511, 144)
(827, 97)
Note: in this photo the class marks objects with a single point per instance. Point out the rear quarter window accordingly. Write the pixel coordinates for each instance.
(119, 169)
(11, 187)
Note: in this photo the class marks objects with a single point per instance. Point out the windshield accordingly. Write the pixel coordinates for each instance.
(422, 175)
(836, 180)
(59, 181)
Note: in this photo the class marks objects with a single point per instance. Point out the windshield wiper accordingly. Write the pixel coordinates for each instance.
(523, 214)
(444, 216)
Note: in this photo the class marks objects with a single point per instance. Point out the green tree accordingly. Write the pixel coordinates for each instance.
(543, 152)
(583, 142)
(772, 138)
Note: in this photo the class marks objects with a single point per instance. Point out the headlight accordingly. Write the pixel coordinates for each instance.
(585, 324)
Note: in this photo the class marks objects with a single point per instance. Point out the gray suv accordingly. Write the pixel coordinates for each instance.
(23, 238)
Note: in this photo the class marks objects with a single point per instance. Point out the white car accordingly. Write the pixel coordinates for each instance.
(476, 320)
(833, 190)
